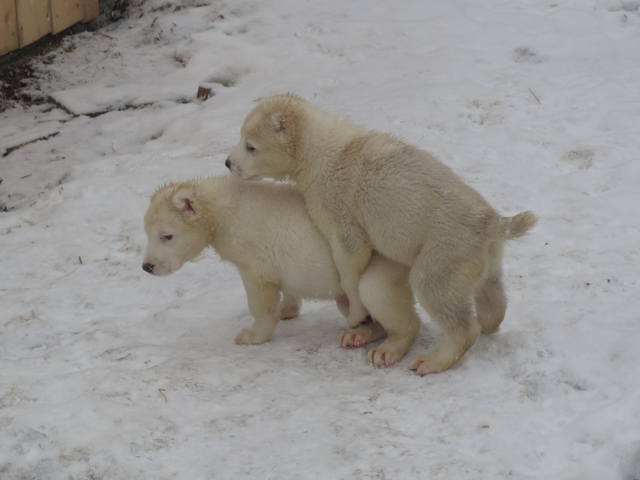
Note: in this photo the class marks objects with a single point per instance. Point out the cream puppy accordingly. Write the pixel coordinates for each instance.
(368, 191)
(265, 231)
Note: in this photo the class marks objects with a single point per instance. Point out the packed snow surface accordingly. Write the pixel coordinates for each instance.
(109, 373)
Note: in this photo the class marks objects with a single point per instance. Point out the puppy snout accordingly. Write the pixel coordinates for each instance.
(148, 267)
(227, 163)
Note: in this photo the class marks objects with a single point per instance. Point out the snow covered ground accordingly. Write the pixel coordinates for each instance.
(109, 373)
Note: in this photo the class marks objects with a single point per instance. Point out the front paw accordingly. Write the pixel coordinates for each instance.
(248, 336)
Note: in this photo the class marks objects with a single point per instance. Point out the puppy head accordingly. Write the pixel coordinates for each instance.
(175, 233)
(268, 140)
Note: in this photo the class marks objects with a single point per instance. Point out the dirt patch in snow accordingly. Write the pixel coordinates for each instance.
(17, 74)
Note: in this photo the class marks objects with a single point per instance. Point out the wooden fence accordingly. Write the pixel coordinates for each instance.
(25, 21)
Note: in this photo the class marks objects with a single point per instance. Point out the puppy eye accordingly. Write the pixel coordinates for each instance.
(250, 147)
(166, 237)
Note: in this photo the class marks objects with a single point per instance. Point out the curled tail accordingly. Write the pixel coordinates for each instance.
(518, 225)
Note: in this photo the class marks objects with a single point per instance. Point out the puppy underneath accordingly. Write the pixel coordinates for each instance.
(368, 191)
(265, 231)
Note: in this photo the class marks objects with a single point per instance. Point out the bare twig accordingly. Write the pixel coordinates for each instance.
(103, 35)
(535, 96)
(164, 397)
(16, 147)
(61, 107)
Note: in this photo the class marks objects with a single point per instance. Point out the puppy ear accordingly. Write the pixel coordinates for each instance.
(187, 203)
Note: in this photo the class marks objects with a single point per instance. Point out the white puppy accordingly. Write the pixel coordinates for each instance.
(265, 231)
(369, 191)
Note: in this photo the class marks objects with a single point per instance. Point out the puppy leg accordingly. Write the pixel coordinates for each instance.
(491, 301)
(385, 291)
(289, 307)
(366, 332)
(342, 302)
(350, 264)
(263, 301)
(444, 287)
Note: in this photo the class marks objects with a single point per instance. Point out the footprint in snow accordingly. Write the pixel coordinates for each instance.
(580, 158)
(526, 55)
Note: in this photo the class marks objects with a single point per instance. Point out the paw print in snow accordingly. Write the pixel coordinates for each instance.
(526, 55)
(484, 113)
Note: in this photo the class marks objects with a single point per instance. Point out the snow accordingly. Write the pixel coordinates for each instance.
(110, 373)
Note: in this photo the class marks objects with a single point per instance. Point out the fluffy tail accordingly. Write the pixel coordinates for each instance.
(518, 225)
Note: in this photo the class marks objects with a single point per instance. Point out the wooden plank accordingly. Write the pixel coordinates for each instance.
(91, 10)
(65, 13)
(34, 20)
(8, 26)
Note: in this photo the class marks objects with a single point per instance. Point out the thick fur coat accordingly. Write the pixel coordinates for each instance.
(265, 231)
(368, 191)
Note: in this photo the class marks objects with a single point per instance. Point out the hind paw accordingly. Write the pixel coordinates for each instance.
(359, 336)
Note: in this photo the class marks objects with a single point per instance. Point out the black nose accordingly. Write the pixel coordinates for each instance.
(148, 267)
(228, 163)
